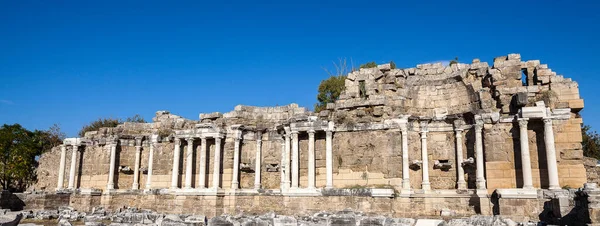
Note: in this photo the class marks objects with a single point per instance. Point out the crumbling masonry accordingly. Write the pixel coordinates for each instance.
(471, 138)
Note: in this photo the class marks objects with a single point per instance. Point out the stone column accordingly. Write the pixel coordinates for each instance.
(311, 158)
(282, 165)
(525, 158)
(111, 171)
(329, 157)
(217, 165)
(551, 154)
(203, 162)
(235, 184)
(480, 181)
(61, 169)
(136, 170)
(460, 180)
(425, 185)
(73, 165)
(287, 168)
(295, 157)
(257, 164)
(153, 140)
(405, 164)
(175, 172)
(189, 163)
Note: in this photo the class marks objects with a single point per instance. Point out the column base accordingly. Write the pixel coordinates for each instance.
(405, 192)
(461, 185)
(480, 184)
(135, 186)
(554, 187)
(109, 191)
(426, 186)
(482, 193)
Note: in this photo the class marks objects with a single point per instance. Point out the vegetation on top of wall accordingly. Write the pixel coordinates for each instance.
(108, 122)
(371, 64)
(455, 61)
(392, 65)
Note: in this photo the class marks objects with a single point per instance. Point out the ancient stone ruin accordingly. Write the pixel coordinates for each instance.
(430, 141)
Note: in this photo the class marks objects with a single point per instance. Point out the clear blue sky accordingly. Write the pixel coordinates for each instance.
(70, 62)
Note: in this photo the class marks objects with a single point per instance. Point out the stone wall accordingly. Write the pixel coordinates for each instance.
(367, 139)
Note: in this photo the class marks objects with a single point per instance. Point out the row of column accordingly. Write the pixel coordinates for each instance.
(293, 172)
(189, 163)
(425, 184)
(550, 154)
(61, 169)
(217, 162)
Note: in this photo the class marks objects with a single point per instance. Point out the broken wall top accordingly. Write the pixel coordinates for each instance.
(434, 90)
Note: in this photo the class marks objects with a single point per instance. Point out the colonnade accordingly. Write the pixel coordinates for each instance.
(291, 156)
(61, 169)
(293, 172)
(460, 180)
(550, 154)
(189, 153)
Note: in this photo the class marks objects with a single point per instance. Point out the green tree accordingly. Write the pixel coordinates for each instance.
(591, 142)
(331, 88)
(19, 148)
(329, 91)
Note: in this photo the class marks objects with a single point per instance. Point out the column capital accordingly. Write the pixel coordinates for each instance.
(403, 127)
(75, 147)
(523, 122)
(547, 121)
(330, 126)
(177, 140)
(190, 139)
(154, 138)
(138, 141)
(114, 139)
(311, 132)
(478, 126)
(294, 132)
(458, 123)
(458, 132)
(424, 124)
